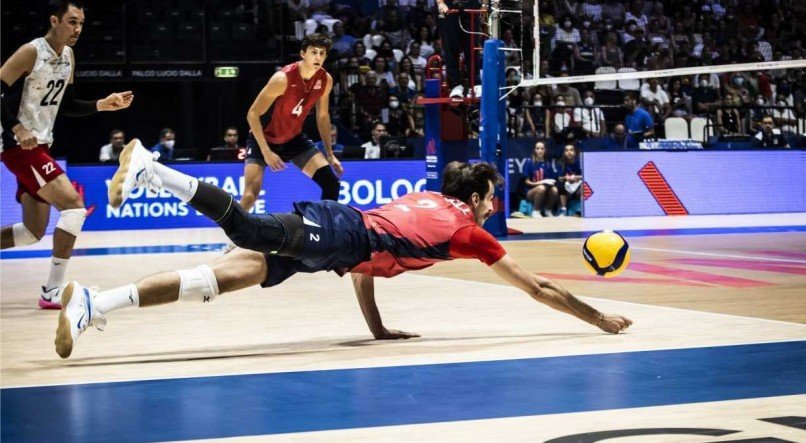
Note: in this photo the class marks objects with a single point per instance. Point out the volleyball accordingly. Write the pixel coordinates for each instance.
(606, 253)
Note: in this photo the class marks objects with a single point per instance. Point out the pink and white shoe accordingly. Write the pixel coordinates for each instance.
(51, 298)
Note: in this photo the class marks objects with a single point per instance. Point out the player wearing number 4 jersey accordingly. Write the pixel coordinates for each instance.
(37, 80)
(412, 232)
(287, 100)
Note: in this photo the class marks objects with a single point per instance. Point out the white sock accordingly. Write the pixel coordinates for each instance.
(58, 269)
(182, 186)
(116, 298)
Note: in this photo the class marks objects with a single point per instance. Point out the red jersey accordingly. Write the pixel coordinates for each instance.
(288, 112)
(423, 228)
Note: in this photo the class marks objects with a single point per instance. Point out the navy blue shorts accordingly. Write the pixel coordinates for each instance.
(299, 150)
(335, 240)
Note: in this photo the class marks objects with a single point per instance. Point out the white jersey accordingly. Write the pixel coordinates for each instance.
(43, 90)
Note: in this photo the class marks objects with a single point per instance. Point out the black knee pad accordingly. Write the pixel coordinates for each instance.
(327, 180)
(263, 233)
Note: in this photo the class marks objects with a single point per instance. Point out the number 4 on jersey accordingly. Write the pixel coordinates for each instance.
(298, 109)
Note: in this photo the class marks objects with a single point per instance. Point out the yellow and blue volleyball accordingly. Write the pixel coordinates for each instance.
(606, 253)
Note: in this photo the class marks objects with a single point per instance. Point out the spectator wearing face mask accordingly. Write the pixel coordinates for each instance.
(783, 115)
(399, 122)
(591, 119)
(165, 147)
(704, 96)
(570, 94)
(536, 117)
(561, 117)
(741, 89)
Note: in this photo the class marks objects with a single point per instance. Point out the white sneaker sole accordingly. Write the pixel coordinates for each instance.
(115, 193)
(64, 340)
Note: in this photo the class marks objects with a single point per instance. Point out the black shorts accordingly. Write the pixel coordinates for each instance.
(299, 150)
(335, 240)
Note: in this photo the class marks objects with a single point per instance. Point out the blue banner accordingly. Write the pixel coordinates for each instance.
(647, 183)
(365, 185)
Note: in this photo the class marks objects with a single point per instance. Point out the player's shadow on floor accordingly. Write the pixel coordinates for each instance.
(316, 347)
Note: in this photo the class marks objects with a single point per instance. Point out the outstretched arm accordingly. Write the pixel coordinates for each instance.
(552, 294)
(364, 286)
(78, 108)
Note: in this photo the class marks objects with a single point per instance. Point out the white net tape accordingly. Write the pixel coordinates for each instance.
(695, 70)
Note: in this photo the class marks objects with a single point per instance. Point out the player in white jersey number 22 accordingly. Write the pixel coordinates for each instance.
(37, 80)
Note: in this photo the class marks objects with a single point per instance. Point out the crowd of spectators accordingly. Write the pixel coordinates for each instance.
(380, 52)
(379, 59)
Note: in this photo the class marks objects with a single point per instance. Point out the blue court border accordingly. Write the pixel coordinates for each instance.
(262, 404)
(207, 247)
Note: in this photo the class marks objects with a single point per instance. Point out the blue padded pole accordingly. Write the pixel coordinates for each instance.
(434, 158)
(493, 136)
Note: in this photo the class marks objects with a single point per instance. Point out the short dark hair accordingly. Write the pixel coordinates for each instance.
(230, 128)
(115, 131)
(630, 96)
(60, 7)
(165, 131)
(316, 40)
(460, 179)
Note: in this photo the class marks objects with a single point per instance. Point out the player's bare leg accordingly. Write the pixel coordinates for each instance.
(61, 194)
(239, 269)
(253, 183)
(35, 216)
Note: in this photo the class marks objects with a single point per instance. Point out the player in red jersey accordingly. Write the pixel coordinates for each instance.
(412, 232)
(37, 85)
(288, 99)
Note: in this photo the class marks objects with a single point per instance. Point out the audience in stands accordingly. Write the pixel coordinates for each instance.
(372, 148)
(230, 150)
(110, 152)
(769, 136)
(165, 147)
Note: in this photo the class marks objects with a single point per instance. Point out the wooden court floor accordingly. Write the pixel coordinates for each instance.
(684, 291)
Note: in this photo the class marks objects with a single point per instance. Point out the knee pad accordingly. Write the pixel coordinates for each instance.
(71, 220)
(22, 236)
(327, 180)
(262, 233)
(197, 284)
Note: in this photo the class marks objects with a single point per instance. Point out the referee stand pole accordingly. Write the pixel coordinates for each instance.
(493, 131)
